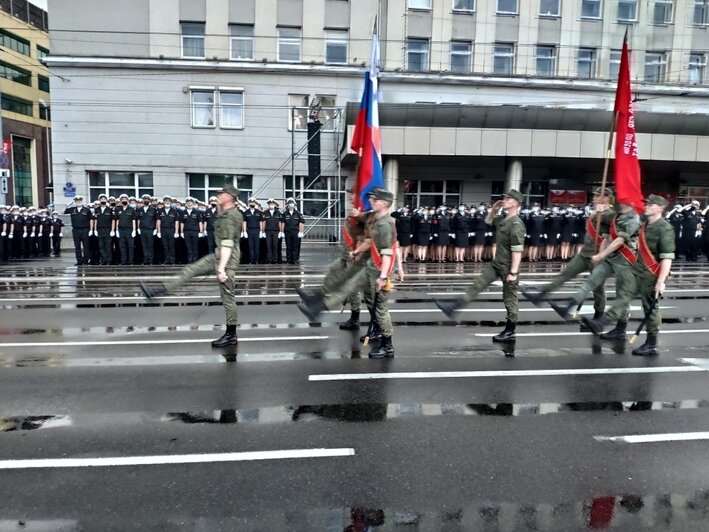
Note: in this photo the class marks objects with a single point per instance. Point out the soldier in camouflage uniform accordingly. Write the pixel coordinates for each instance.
(505, 266)
(656, 249)
(224, 262)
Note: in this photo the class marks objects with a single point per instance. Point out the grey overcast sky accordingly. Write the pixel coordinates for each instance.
(40, 3)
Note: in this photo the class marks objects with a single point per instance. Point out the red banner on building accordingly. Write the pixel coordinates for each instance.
(563, 197)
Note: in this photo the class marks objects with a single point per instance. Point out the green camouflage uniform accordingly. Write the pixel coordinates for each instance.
(509, 237)
(227, 231)
(582, 263)
(344, 267)
(627, 225)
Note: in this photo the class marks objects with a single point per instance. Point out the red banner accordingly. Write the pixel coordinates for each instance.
(626, 165)
(562, 197)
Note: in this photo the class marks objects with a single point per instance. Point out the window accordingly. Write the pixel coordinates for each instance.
(231, 109)
(503, 59)
(192, 40)
(16, 74)
(45, 113)
(242, 41)
(586, 63)
(431, 193)
(701, 12)
(697, 62)
(546, 61)
(463, 5)
(655, 67)
(627, 10)
(614, 64)
(16, 105)
(116, 183)
(202, 186)
(461, 53)
(507, 7)
(663, 12)
(549, 8)
(336, 47)
(203, 108)
(417, 54)
(13, 42)
(315, 197)
(419, 4)
(590, 8)
(289, 41)
(41, 53)
(22, 170)
(42, 83)
(298, 111)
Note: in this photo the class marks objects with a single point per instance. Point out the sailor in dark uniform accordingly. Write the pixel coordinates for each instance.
(404, 230)
(81, 217)
(422, 232)
(461, 227)
(440, 227)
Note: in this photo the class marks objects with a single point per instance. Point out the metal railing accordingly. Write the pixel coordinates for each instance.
(26, 12)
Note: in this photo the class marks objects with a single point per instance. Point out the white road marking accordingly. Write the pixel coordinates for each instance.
(578, 333)
(155, 342)
(584, 310)
(700, 362)
(655, 438)
(500, 373)
(568, 292)
(47, 463)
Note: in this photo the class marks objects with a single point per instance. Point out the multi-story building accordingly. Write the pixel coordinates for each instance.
(174, 97)
(24, 92)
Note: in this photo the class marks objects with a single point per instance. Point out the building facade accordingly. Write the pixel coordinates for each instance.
(24, 94)
(175, 97)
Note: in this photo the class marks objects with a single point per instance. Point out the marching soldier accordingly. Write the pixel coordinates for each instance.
(104, 226)
(272, 228)
(80, 226)
(223, 262)
(126, 220)
(191, 229)
(656, 249)
(147, 228)
(504, 266)
(169, 223)
(292, 227)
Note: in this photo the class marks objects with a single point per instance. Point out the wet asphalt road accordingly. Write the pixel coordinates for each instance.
(88, 370)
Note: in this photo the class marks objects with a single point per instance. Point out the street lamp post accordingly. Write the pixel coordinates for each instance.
(48, 148)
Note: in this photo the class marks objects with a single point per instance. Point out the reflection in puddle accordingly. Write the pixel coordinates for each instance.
(17, 423)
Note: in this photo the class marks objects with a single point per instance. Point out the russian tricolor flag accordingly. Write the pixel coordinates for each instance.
(366, 140)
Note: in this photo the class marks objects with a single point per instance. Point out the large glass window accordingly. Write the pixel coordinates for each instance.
(417, 54)
(461, 55)
(655, 67)
(463, 5)
(503, 58)
(546, 61)
(203, 186)
(627, 10)
(16, 105)
(242, 41)
(192, 40)
(22, 170)
(13, 42)
(231, 109)
(16, 74)
(43, 83)
(549, 8)
(701, 12)
(317, 196)
(420, 4)
(336, 47)
(298, 111)
(507, 7)
(590, 8)
(663, 12)
(431, 193)
(614, 67)
(203, 108)
(289, 44)
(586, 63)
(116, 183)
(41, 52)
(697, 64)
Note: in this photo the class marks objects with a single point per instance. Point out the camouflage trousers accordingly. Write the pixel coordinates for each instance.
(616, 267)
(575, 267)
(639, 283)
(488, 275)
(337, 274)
(206, 266)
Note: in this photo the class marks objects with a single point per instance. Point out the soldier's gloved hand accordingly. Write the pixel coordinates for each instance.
(545, 235)
(697, 233)
(471, 234)
(435, 234)
(281, 235)
(24, 235)
(112, 233)
(61, 235)
(558, 235)
(262, 235)
(430, 237)
(133, 234)
(138, 232)
(200, 235)
(300, 234)
(155, 232)
(3, 233)
(411, 235)
(243, 234)
(177, 235)
(10, 236)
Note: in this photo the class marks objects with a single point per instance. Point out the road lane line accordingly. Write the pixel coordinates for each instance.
(500, 373)
(155, 342)
(656, 438)
(578, 333)
(48, 463)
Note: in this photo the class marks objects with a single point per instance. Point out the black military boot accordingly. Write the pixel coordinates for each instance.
(312, 308)
(596, 316)
(308, 297)
(151, 292)
(536, 298)
(563, 308)
(617, 333)
(374, 332)
(385, 349)
(449, 307)
(353, 323)
(507, 335)
(596, 325)
(648, 348)
(228, 338)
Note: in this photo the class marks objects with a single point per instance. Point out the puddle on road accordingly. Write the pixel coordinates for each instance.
(19, 423)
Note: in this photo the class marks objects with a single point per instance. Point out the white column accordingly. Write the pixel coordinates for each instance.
(514, 175)
(391, 176)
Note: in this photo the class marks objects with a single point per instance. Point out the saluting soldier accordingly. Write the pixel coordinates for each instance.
(169, 222)
(191, 228)
(292, 226)
(104, 226)
(81, 217)
(656, 250)
(504, 266)
(223, 262)
(147, 228)
(126, 220)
